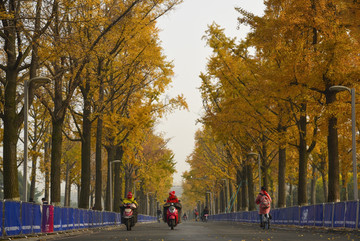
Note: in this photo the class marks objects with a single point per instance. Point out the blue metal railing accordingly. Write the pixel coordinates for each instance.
(334, 215)
(22, 218)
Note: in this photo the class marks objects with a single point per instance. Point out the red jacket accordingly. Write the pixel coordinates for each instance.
(172, 199)
(261, 209)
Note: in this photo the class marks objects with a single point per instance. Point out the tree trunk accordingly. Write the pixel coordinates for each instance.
(10, 118)
(344, 190)
(238, 181)
(111, 155)
(325, 190)
(98, 160)
(250, 182)
(231, 201)
(291, 194)
(263, 164)
(142, 200)
(118, 180)
(85, 148)
(333, 153)
(67, 185)
(244, 191)
(128, 175)
(98, 157)
(313, 187)
(33, 177)
(207, 200)
(303, 160)
(69, 191)
(217, 205)
(78, 193)
(281, 178)
(56, 152)
(282, 167)
(91, 199)
(222, 201)
(11, 188)
(47, 169)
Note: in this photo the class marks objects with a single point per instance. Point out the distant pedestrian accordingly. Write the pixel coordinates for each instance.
(44, 201)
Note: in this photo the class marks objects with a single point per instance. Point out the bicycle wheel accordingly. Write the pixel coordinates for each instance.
(267, 221)
(266, 224)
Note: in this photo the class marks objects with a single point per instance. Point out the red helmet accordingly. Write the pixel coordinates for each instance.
(129, 196)
(172, 193)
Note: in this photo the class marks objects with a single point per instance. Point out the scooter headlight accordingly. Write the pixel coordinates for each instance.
(171, 209)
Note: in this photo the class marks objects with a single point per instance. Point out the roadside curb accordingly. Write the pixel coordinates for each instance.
(68, 233)
(54, 235)
(297, 227)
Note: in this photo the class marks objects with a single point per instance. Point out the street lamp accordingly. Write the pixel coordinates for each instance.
(258, 156)
(110, 183)
(27, 83)
(338, 88)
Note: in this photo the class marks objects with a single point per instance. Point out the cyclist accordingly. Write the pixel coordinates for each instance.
(184, 217)
(205, 211)
(264, 202)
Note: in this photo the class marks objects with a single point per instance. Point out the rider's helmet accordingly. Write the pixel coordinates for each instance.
(263, 188)
(172, 193)
(129, 196)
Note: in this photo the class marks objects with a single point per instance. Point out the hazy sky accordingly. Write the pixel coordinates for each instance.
(181, 35)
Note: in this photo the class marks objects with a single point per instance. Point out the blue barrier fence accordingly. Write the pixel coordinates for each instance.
(22, 218)
(335, 215)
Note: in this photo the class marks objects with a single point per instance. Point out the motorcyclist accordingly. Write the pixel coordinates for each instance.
(264, 202)
(129, 199)
(172, 199)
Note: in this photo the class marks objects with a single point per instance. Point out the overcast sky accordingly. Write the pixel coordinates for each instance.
(181, 35)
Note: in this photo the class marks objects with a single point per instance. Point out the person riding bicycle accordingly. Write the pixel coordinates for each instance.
(129, 199)
(264, 202)
(205, 211)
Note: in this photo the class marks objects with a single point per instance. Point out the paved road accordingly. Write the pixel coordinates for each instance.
(217, 231)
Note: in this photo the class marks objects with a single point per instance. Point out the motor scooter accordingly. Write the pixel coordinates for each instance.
(172, 216)
(128, 217)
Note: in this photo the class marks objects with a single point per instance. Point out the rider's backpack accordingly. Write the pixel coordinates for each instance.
(264, 201)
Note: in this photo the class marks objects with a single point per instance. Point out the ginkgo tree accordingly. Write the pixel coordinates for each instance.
(270, 93)
(78, 45)
(21, 28)
(86, 40)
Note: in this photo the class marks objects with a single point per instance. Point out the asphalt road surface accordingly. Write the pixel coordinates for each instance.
(218, 231)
